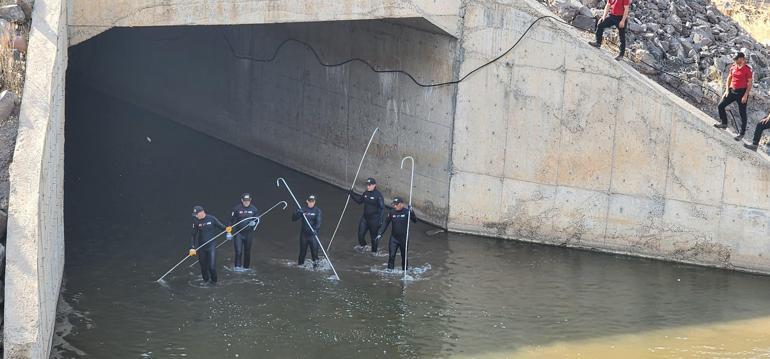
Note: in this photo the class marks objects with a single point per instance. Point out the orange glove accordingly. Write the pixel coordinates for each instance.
(193, 252)
(229, 229)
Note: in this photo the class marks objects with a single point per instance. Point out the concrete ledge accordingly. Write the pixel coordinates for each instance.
(88, 18)
(35, 248)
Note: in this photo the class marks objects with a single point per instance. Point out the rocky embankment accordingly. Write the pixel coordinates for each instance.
(690, 45)
(15, 16)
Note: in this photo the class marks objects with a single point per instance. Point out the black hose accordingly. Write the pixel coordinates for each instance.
(451, 82)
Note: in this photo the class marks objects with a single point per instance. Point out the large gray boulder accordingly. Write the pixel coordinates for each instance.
(584, 22)
(13, 13)
(7, 103)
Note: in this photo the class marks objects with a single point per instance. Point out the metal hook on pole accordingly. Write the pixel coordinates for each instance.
(260, 217)
(259, 221)
(352, 186)
(299, 207)
(202, 245)
(409, 212)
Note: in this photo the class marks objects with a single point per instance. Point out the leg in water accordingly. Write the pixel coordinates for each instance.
(207, 260)
(362, 228)
(304, 242)
(314, 251)
(238, 245)
(247, 239)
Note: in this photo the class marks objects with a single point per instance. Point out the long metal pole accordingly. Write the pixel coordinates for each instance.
(278, 183)
(352, 186)
(408, 213)
(201, 246)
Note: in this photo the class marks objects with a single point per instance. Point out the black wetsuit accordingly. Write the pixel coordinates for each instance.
(242, 240)
(371, 220)
(397, 234)
(307, 234)
(203, 230)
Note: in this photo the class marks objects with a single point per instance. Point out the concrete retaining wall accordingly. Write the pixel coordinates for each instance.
(569, 147)
(35, 243)
(91, 17)
(293, 110)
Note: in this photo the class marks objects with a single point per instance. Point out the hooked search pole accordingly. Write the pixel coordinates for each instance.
(259, 218)
(408, 213)
(278, 183)
(202, 245)
(352, 186)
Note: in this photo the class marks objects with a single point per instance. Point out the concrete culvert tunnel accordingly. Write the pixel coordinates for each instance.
(293, 110)
(159, 119)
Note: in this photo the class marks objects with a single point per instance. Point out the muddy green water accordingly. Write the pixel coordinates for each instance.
(132, 178)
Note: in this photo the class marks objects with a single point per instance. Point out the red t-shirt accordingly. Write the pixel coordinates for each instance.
(741, 76)
(618, 7)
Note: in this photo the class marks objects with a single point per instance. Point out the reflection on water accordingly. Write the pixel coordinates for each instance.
(127, 217)
(738, 339)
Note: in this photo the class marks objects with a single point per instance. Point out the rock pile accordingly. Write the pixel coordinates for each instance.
(690, 45)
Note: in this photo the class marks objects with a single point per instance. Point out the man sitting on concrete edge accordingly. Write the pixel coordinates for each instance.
(615, 14)
(762, 125)
(738, 85)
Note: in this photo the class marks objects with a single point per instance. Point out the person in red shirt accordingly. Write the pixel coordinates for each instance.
(615, 14)
(738, 88)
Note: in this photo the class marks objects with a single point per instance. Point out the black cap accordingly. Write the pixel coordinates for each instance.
(197, 209)
(246, 196)
(370, 181)
(311, 197)
(739, 55)
(397, 200)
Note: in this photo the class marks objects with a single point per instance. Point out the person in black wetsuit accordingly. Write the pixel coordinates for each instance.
(307, 233)
(371, 220)
(242, 240)
(399, 218)
(205, 227)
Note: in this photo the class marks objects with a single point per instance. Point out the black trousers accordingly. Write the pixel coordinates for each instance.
(207, 259)
(610, 21)
(371, 225)
(758, 132)
(242, 244)
(732, 96)
(305, 241)
(394, 246)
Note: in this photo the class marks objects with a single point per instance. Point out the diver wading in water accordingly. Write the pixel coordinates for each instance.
(371, 220)
(399, 218)
(308, 231)
(244, 235)
(204, 228)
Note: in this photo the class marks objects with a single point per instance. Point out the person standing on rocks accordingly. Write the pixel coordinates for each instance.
(762, 125)
(615, 14)
(738, 88)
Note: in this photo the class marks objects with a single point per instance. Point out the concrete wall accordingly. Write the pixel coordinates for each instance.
(293, 110)
(568, 147)
(35, 243)
(91, 17)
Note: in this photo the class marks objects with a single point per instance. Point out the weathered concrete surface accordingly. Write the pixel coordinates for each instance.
(293, 110)
(35, 243)
(88, 18)
(568, 147)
